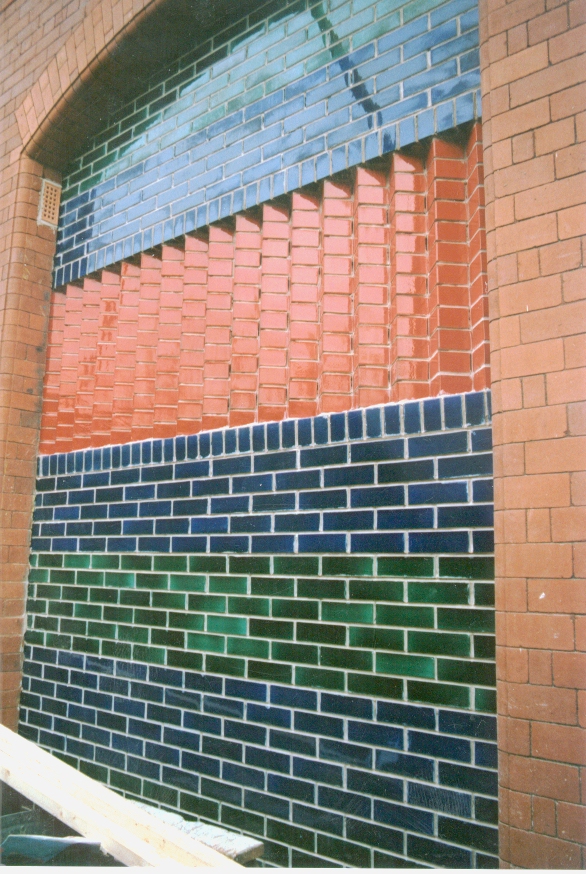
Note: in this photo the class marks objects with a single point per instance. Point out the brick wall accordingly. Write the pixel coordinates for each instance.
(533, 69)
(286, 628)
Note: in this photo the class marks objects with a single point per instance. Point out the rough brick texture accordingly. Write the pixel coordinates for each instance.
(534, 100)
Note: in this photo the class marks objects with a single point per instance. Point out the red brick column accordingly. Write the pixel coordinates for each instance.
(193, 321)
(533, 108)
(245, 331)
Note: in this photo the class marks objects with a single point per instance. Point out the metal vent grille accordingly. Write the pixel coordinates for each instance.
(49, 207)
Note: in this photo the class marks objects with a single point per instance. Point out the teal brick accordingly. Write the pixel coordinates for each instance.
(230, 585)
(58, 641)
(485, 700)
(233, 667)
(295, 608)
(347, 566)
(136, 562)
(191, 661)
(90, 578)
(101, 629)
(105, 562)
(62, 576)
(438, 593)
(152, 581)
(376, 590)
(150, 654)
(119, 579)
(356, 660)
(249, 564)
(438, 643)
(472, 672)
(484, 646)
(88, 611)
(161, 637)
(465, 620)
(84, 644)
(227, 625)
(322, 589)
(188, 621)
(469, 567)
(169, 600)
(77, 561)
(297, 565)
(405, 665)
(271, 671)
(199, 806)
(49, 559)
(294, 652)
(250, 606)
(206, 642)
(244, 646)
(377, 638)
(116, 650)
(408, 566)
(133, 634)
(484, 594)
(175, 563)
(418, 617)
(441, 694)
(332, 611)
(192, 583)
(207, 603)
(201, 564)
(279, 586)
(317, 678)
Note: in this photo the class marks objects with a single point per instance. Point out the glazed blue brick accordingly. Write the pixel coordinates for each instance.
(471, 516)
(431, 542)
(322, 543)
(438, 444)
(403, 817)
(405, 765)
(275, 461)
(322, 500)
(389, 519)
(300, 522)
(350, 521)
(199, 722)
(483, 541)
(182, 699)
(263, 758)
(312, 723)
(437, 493)
(313, 818)
(349, 476)
(254, 734)
(267, 503)
(345, 753)
(379, 450)
(377, 735)
(223, 706)
(465, 466)
(383, 496)
(375, 784)
(385, 543)
(290, 697)
(288, 434)
(468, 724)
(254, 524)
(336, 799)
(437, 745)
(245, 689)
(482, 440)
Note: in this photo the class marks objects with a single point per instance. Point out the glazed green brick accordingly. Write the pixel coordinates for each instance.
(292, 835)
(408, 566)
(85, 644)
(223, 665)
(376, 686)
(150, 654)
(136, 562)
(270, 671)
(201, 564)
(58, 641)
(50, 559)
(61, 576)
(34, 638)
(486, 810)
(405, 665)
(47, 623)
(88, 611)
(207, 603)
(73, 626)
(227, 625)
(332, 657)
(418, 617)
(150, 617)
(279, 586)
(317, 678)
(249, 564)
(295, 652)
(74, 593)
(272, 628)
(199, 806)
(438, 593)
(244, 646)
(152, 581)
(249, 606)
(191, 661)
(119, 579)
(472, 672)
(229, 585)
(322, 589)
(317, 632)
(168, 600)
(47, 591)
(418, 7)
(297, 565)
(102, 629)
(174, 563)
(347, 566)
(118, 614)
(192, 583)
(470, 835)
(470, 567)
(38, 575)
(295, 608)
(380, 28)
(438, 693)
(60, 608)
(484, 594)
(376, 590)
(436, 643)
(206, 642)
(105, 562)
(163, 794)
(90, 578)
(33, 559)
(104, 596)
(74, 560)
(159, 637)
(133, 634)
(189, 621)
(332, 611)
(116, 650)
(485, 700)
(484, 646)
(97, 772)
(126, 782)
(33, 606)
(377, 638)
(465, 620)
(135, 597)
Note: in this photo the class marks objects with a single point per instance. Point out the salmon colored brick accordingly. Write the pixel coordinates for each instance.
(218, 332)
(125, 358)
(146, 344)
(306, 303)
(169, 342)
(108, 321)
(245, 326)
(193, 322)
(336, 345)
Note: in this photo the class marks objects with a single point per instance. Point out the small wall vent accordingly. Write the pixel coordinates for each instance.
(49, 204)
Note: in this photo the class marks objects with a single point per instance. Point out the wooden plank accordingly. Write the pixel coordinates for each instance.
(130, 834)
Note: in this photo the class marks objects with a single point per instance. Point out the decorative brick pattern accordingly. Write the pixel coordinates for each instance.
(276, 101)
(332, 579)
(324, 301)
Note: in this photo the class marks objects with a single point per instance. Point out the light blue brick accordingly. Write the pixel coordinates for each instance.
(425, 124)
(470, 61)
(451, 10)
(455, 47)
(455, 86)
(442, 73)
(407, 132)
(292, 178)
(444, 116)
(464, 108)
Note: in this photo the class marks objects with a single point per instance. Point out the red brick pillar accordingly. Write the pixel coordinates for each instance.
(50, 395)
(146, 346)
(125, 362)
(245, 339)
(193, 324)
(218, 338)
(336, 341)
(409, 304)
(533, 70)
(306, 300)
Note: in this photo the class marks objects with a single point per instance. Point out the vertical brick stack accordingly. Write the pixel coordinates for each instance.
(533, 70)
(326, 302)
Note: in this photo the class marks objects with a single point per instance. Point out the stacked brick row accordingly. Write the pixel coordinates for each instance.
(323, 301)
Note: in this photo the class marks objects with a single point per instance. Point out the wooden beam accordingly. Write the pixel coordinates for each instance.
(132, 835)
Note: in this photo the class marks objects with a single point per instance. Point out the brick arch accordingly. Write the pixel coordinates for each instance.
(104, 26)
